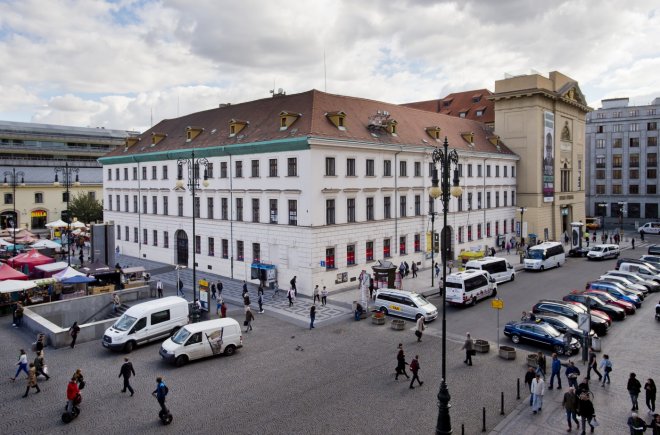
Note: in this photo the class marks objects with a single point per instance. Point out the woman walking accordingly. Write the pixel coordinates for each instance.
(32, 380)
(22, 364)
(312, 316)
(249, 317)
(40, 365)
(73, 332)
(649, 388)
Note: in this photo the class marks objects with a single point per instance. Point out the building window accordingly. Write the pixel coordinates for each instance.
(497, 227)
(255, 209)
(240, 252)
(402, 245)
(497, 199)
(616, 189)
(386, 248)
(600, 143)
(487, 229)
(225, 248)
(350, 167)
(633, 189)
(651, 189)
(505, 168)
(118, 204)
(479, 171)
(273, 210)
(109, 174)
(154, 173)
(651, 141)
(370, 208)
(144, 172)
(651, 173)
(293, 212)
(330, 258)
(487, 199)
(126, 233)
(565, 180)
(469, 170)
(180, 206)
(387, 168)
(154, 238)
(513, 172)
(211, 244)
(117, 173)
(402, 206)
(370, 171)
(144, 236)
(387, 208)
(478, 200)
(164, 171)
(256, 253)
(505, 199)
(633, 161)
(469, 233)
(370, 251)
(487, 170)
(135, 204)
(223, 169)
(513, 197)
(600, 174)
(479, 235)
(154, 205)
(618, 128)
(255, 168)
(272, 167)
(239, 209)
(617, 161)
(469, 201)
(616, 174)
(292, 167)
(651, 126)
(197, 206)
(38, 198)
(634, 142)
(417, 243)
(418, 205)
(633, 174)
(330, 166)
(350, 255)
(329, 211)
(497, 170)
(418, 169)
(224, 209)
(634, 127)
(460, 234)
(126, 209)
(209, 170)
(9, 199)
(403, 169)
(350, 210)
(136, 236)
(617, 142)
(118, 232)
(600, 189)
(166, 239)
(209, 208)
(239, 169)
(432, 204)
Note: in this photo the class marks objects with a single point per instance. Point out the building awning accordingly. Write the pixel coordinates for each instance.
(135, 269)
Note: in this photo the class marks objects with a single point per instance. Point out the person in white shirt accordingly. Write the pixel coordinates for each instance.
(538, 390)
(420, 328)
(324, 296)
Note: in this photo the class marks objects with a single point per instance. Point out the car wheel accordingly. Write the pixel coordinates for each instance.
(230, 350)
(383, 310)
(494, 293)
(129, 346)
(473, 302)
(515, 339)
(542, 269)
(181, 360)
(559, 350)
(513, 277)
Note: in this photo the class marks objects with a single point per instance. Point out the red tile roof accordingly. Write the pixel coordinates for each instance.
(264, 124)
(450, 105)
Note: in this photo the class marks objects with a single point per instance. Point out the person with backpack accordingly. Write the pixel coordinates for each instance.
(160, 393)
(126, 371)
(414, 368)
(420, 328)
(606, 365)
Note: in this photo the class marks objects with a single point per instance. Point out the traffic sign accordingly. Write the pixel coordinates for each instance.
(498, 304)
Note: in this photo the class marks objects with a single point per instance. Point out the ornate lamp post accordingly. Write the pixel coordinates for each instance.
(67, 175)
(14, 182)
(193, 184)
(445, 158)
(522, 211)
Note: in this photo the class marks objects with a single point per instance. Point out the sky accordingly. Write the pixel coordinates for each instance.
(127, 64)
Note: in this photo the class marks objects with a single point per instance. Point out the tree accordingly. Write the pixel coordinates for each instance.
(86, 208)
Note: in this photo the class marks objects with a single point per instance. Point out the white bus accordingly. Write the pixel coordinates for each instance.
(497, 267)
(544, 256)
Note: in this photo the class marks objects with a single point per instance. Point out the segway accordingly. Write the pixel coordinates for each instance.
(75, 412)
(165, 416)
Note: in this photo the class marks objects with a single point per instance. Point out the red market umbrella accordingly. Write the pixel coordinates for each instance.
(30, 259)
(6, 272)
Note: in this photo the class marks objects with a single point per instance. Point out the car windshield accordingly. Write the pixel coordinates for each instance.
(597, 249)
(420, 300)
(181, 336)
(535, 254)
(552, 332)
(124, 323)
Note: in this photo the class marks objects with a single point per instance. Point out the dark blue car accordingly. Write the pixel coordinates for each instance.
(541, 334)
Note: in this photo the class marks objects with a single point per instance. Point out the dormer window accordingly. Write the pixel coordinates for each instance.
(157, 137)
(434, 132)
(468, 137)
(495, 140)
(447, 102)
(236, 126)
(287, 119)
(476, 98)
(193, 132)
(337, 119)
(391, 127)
(463, 113)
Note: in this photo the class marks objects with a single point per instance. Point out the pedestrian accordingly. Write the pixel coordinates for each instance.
(632, 241)
(223, 310)
(260, 300)
(312, 316)
(641, 235)
(40, 343)
(402, 270)
(246, 299)
(469, 349)
(293, 286)
(529, 377)
(22, 364)
(219, 287)
(567, 342)
(291, 295)
(81, 257)
(570, 406)
(585, 409)
(371, 288)
(492, 251)
(213, 291)
(249, 317)
(414, 368)
(593, 364)
(401, 363)
(18, 314)
(218, 305)
(245, 289)
(405, 263)
(414, 270)
(634, 388)
(555, 367)
(420, 328)
(606, 365)
(593, 236)
(116, 303)
(159, 288)
(437, 269)
(80, 379)
(126, 371)
(32, 380)
(655, 424)
(277, 289)
(649, 388)
(72, 394)
(636, 424)
(524, 317)
(583, 387)
(74, 330)
(40, 365)
(566, 238)
(541, 365)
(324, 296)
(572, 374)
(160, 393)
(316, 294)
(508, 248)
(538, 390)
(179, 290)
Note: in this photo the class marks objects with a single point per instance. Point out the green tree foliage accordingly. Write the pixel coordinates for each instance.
(86, 208)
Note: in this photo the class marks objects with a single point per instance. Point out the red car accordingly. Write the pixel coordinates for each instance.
(596, 313)
(609, 299)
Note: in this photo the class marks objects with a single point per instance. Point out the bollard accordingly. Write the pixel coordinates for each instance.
(462, 428)
(502, 404)
(483, 428)
(518, 389)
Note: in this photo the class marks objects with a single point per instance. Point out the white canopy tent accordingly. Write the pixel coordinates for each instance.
(69, 272)
(45, 243)
(52, 267)
(78, 225)
(57, 224)
(3, 242)
(12, 285)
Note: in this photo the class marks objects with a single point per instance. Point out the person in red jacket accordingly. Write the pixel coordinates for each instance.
(72, 391)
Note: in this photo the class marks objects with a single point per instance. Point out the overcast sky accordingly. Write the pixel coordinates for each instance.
(119, 64)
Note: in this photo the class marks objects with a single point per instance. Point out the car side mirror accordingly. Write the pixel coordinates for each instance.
(492, 279)
(509, 267)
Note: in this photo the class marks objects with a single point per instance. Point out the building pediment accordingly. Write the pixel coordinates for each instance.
(571, 91)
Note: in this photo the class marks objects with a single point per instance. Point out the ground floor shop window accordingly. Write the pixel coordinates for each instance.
(350, 255)
(330, 258)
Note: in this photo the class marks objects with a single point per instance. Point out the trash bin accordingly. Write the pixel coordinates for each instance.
(595, 343)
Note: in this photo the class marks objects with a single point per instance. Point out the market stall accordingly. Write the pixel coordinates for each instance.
(133, 276)
(7, 272)
(47, 270)
(30, 259)
(108, 277)
(73, 283)
(10, 292)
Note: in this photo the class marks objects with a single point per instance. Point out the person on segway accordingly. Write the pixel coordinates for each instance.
(73, 398)
(160, 393)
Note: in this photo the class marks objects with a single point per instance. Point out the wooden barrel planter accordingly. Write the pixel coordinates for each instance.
(533, 360)
(378, 319)
(481, 346)
(398, 324)
(507, 352)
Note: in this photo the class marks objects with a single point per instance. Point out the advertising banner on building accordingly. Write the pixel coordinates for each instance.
(548, 156)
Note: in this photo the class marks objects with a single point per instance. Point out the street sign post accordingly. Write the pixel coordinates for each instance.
(497, 304)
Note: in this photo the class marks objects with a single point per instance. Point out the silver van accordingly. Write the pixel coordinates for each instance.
(405, 304)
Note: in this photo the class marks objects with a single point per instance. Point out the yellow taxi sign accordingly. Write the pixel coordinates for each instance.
(498, 304)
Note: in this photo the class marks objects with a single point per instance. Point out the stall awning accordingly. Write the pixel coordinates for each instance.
(11, 286)
(135, 269)
(52, 267)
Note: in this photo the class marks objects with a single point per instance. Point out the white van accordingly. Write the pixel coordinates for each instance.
(145, 322)
(602, 252)
(650, 228)
(405, 304)
(497, 267)
(203, 339)
(467, 287)
(544, 256)
(640, 270)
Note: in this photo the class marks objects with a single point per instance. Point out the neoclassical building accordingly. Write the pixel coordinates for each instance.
(320, 186)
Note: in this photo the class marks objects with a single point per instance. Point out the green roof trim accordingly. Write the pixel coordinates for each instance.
(278, 145)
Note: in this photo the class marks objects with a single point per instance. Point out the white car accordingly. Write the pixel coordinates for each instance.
(603, 252)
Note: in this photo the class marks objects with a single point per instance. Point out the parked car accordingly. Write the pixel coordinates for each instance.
(653, 259)
(578, 251)
(540, 334)
(626, 283)
(641, 294)
(562, 324)
(628, 307)
(654, 250)
(571, 311)
(653, 268)
(603, 252)
(650, 228)
(615, 291)
(650, 285)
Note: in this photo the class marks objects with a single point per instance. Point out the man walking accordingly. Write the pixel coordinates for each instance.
(219, 287)
(160, 393)
(312, 316)
(570, 406)
(324, 296)
(468, 346)
(572, 374)
(159, 288)
(40, 365)
(538, 390)
(593, 364)
(556, 371)
(634, 388)
(32, 380)
(213, 290)
(316, 294)
(606, 365)
(22, 364)
(541, 364)
(420, 328)
(260, 300)
(529, 377)
(401, 363)
(74, 330)
(126, 371)
(414, 368)
(291, 294)
(293, 286)
(245, 289)
(414, 269)
(179, 290)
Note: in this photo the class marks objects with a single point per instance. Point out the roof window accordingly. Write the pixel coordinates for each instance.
(337, 119)
(287, 119)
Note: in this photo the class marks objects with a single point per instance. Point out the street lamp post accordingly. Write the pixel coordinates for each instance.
(446, 158)
(522, 211)
(193, 184)
(14, 182)
(622, 209)
(67, 174)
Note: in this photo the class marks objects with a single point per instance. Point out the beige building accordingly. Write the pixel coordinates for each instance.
(542, 119)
